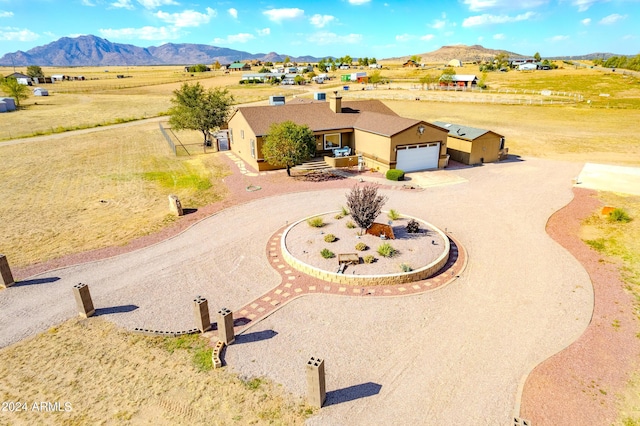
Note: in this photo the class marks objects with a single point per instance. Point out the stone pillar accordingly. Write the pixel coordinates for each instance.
(6, 277)
(316, 390)
(175, 206)
(225, 326)
(83, 300)
(201, 312)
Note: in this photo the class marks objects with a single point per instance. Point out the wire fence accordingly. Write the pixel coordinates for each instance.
(180, 149)
(167, 138)
(497, 97)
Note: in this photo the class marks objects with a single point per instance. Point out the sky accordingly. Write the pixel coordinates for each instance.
(358, 28)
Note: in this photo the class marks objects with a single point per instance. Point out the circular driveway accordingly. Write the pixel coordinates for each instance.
(453, 355)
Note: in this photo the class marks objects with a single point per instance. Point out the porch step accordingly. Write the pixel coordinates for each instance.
(312, 165)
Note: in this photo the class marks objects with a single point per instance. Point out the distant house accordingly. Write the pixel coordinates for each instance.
(461, 80)
(39, 91)
(239, 66)
(469, 145)
(514, 63)
(375, 66)
(527, 67)
(410, 64)
(21, 78)
(383, 139)
(59, 77)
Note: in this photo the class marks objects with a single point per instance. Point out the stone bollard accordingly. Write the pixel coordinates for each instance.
(6, 277)
(83, 300)
(316, 390)
(175, 206)
(225, 326)
(201, 312)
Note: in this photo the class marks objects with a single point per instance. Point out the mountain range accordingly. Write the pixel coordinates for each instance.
(90, 50)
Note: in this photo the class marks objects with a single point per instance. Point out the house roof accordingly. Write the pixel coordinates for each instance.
(238, 65)
(17, 75)
(463, 132)
(464, 77)
(372, 116)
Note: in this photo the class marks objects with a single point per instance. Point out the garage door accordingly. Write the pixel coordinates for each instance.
(418, 157)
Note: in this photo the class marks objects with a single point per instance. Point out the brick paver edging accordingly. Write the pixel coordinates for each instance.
(296, 284)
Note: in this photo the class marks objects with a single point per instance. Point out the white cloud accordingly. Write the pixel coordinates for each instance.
(486, 19)
(558, 38)
(438, 23)
(498, 37)
(584, 5)
(479, 5)
(325, 37)
(4, 14)
(359, 2)
(17, 34)
(144, 33)
(612, 19)
(187, 18)
(233, 12)
(480, 39)
(404, 37)
(319, 21)
(427, 37)
(234, 38)
(586, 21)
(87, 3)
(264, 32)
(122, 4)
(154, 4)
(278, 15)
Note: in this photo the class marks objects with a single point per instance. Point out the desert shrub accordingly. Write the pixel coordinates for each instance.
(329, 238)
(395, 174)
(413, 227)
(338, 216)
(405, 267)
(369, 259)
(327, 254)
(351, 225)
(619, 215)
(386, 250)
(365, 205)
(344, 211)
(316, 222)
(361, 246)
(393, 214)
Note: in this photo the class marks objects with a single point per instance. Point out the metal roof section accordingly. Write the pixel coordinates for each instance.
(462, 132)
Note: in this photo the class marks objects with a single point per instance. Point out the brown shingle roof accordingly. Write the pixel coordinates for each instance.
(319, 117)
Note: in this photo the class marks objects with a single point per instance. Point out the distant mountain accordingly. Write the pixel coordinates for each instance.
(464, 53)
(588, 57)
(95, 51)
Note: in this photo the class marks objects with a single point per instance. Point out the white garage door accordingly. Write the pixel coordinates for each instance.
(421, 157)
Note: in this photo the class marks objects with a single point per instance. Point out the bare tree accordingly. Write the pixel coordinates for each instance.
(365, 205)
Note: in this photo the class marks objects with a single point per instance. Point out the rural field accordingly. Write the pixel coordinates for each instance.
(105, 188)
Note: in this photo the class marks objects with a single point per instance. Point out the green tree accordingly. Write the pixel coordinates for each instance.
(537, 57)
(417, 59)
(286, 61)
(216, 65)
(373, 61)
(298, 79)
(195, 108)
(375, 78)
(34, 71)
(287, 144)
(12, 88)
(501, 60)
(428, 79)
(447, 75)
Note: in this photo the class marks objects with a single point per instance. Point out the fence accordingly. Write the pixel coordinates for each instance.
(179, 148)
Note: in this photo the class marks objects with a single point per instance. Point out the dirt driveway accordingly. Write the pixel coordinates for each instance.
(453, 355)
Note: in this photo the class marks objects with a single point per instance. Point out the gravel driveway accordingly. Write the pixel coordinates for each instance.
(454, 355)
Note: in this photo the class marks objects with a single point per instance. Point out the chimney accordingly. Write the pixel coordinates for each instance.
(335, 103)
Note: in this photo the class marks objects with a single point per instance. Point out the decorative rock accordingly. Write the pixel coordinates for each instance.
(83, 300)
(175, 206)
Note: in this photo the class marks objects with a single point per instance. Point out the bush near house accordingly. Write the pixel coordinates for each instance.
(395, 174)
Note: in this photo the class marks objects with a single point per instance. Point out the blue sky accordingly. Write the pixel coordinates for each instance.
(372, 28)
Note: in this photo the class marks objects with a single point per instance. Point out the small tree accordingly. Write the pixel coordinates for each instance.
(11, 87)
(365, 205)
(198, 109)
(34, 71)
(537, 57)
(287, 144)
(416, 59)
(447, 75)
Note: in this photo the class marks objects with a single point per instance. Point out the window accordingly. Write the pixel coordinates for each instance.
(252, 143)
(241, 134)
(332, 141)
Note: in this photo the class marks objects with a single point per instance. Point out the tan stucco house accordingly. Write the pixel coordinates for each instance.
(369, 128)
(469, 145)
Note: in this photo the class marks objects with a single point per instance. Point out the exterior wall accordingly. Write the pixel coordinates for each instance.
(242, 146)
(346, 139)
(483, 149)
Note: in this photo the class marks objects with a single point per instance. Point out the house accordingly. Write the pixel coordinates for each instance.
(469, 145)
(527, 67)
(369, 128)
(239, 66)
(21, 78)
(461, 80)
(59, 77)
(39, 91)
(375, 66)
(410, 63)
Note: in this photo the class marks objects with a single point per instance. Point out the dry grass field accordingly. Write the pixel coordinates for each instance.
(161, 381)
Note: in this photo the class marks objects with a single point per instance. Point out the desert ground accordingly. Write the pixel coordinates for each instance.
(463, 350)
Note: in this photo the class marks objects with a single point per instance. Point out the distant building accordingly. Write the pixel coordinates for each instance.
(239, 66)
(39, 91)
(455, 63)
(21, 78)
(469, 145)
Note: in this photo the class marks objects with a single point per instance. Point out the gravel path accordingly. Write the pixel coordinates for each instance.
(450, 355)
